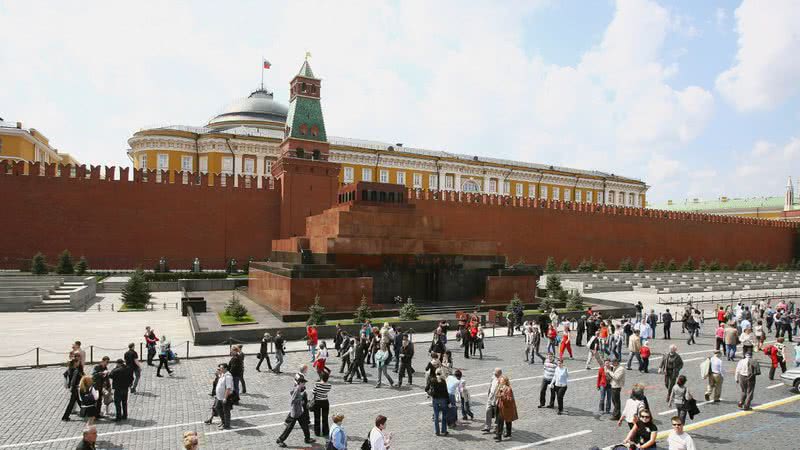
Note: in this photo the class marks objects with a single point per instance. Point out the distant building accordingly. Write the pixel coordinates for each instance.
(785, 207)
(28, 145)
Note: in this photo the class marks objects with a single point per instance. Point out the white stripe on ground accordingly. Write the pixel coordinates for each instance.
(775, 386)
(664, 413)
(552, 439)
(163, 427)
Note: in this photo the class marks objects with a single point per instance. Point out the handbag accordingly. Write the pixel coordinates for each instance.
(691, 408)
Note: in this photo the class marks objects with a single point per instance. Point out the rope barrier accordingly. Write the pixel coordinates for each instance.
(21, 354)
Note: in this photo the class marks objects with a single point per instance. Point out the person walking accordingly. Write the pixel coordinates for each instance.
(377, 437)
(616, 378)
(580, 330)
(593, 346)
(452, 404)
(298, 412)
(671, 365)
(644, 354)
(132, 361)
(311, 341)
(719, 333)
(320, 360)
(357, 364)
(121, 380)
(615, 343)
(321, 404)
(263, 352)
(565, 345)
(223, 391)
(711, 369)
(441, 402)
(280, 351)
(163, 356)
(337, 438)
(777, 356)
(491, 400)
(102, 384)
(88, 398)
(346, 351)
(559, 385)
(652, 320)
(547, 378)
(679, 439)
(634, 345)
(88, 439)
(462, 397)
(604, 387)
(666, 318)
(236, 369)
(72, 379)
(382, 359)
(150, 340)
(679, 397)
(746, 372)
(479, 342)
(405, 355)
(731, 338)
(506, 409)
(397, 343)
(633, 406)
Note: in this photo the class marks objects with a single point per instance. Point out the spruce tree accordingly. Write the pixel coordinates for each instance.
(65, 266)
(316, 313)
(688, 265)
(81, 267)
(553, 286)
(136, 292)
(640, 267)
(235, 308)
(38, 265)
(601, 266)
(575, 301)
(409, 311)
(703, 265)
(363, 312)
(546, 304)
(565, 267)
(586, 265)
(514, 303)
(550, 265)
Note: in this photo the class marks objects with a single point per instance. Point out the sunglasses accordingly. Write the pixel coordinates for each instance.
(677, 424)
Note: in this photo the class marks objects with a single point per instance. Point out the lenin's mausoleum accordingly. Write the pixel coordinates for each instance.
(315, 222)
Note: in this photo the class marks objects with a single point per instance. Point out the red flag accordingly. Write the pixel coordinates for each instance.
(267, 64)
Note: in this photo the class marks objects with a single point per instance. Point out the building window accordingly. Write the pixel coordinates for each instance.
(384, 174)
(314, 130)
(506, 187)
(543, 192)
(348, 174)
(227, 165)
(621, 198)
(366, 174)
(163, 161)
(470, 186)
(578, 196)
(204, 164)
(268, 167)
(401, 178)
(557, 193)
(567, 194)
(588, 196)
(611, 197)
(143, 161)
(519, 189)
(418, 180)
(532, 190)
(448, 181)
(632, 199)
(186, 163)
(249, 166)
(492, 186)
(433, 181)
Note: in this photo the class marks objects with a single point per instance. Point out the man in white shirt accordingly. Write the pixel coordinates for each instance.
(377, 440)
(491, 401)
(224, 389)
(678, 439)
(746, 372)
(714, 377)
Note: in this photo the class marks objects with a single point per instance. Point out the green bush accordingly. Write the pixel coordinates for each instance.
(175, 276)
(565, 267)
(626, 265)
(724, 268)
(363, 312)
(688, 265)
(658, 265)
(546, 303)
(640, 267)
(235, 308)
(586, 265)
(136, 293)
(409, 311)
(553, 286)
(316, 313)
(575, 301)
(601, 266)
(672, 266)
(65, 266)
(81, 267)
(38, 265)
(744, 266)
(714, 266)
(703, 265)
(550, 265)
(515, 302)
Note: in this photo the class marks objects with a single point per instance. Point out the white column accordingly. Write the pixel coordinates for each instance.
(260, 169)
(457, 181)
(441, 175)
(486, 183)
(238, 168)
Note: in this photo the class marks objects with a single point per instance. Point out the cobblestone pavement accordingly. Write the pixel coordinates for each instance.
(166, 407)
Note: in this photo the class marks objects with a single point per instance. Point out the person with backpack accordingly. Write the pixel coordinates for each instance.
(72, 378)
(88, 397)
(337, 438)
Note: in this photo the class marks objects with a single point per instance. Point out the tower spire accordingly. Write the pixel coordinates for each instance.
(789, 200)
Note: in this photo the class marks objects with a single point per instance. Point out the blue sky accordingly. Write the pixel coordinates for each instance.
(699, 99)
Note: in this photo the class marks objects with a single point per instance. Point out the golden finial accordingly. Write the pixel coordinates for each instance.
(308, 55)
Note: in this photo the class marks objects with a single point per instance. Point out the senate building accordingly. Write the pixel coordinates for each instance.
(244, 140)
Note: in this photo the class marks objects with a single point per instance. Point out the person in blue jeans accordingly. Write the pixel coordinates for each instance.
(441, 401)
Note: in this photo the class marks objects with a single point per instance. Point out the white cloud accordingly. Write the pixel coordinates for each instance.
(767, 65)
(720, 16)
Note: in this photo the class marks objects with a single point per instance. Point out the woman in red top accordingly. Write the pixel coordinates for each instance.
(604, 386)
(551, 336)
(311, 341)
(721, 316)
(565, 345)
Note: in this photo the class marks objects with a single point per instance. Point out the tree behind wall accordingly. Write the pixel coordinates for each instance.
(640, 267)
(363, 312)
(565, 267)
(316, 313)
(553, 286)
(575, 301)
(235, 308)
(550, 265)
(65, 266)
(136, 292)
(38, 265)
(514, 303)
(81, 267)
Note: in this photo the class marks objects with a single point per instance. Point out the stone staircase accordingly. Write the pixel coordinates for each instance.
(58, 300)
(36, 293)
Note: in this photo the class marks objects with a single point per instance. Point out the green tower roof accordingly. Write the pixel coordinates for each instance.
(305, 70)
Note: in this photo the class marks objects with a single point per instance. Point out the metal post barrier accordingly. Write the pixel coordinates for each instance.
(37, 356)
(91, 354)
(187, 349)
(141, 355)
(112, 306)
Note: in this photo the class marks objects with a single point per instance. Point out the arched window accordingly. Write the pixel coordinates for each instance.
(303, 88)
(314, 130)
(300, 153)
(303, 129)
(611, 197)
(470, 186)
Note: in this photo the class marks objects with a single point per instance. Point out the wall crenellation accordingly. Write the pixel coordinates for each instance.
(495, 200)
(127, 174)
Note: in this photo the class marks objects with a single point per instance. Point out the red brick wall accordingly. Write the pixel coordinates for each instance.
(533, 233)
(285, 294)
(502, 289)
(122, 224)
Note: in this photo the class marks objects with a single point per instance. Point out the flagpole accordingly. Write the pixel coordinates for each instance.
(262, 73)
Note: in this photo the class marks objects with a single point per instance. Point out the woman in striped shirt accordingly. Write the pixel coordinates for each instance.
(321, 405)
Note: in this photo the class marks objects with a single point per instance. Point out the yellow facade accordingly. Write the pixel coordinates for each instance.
(28, 145)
